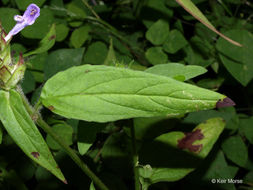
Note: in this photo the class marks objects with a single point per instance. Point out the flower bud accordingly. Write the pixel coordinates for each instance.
(11, 72)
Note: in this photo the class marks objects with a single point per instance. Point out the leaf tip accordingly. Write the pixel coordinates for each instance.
(65, 181)
(226, 102)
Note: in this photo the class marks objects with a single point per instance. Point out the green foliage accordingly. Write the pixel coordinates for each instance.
(21, 128)
(156, 56)
(63, 58)
(96, 53)
(42, 25)
(177, 71)
(166, 162)
(102, 96)
(236, 150)
(121, 88)
(158, 32)
(174, 42)
(6, 18)
(79, 36)
(22, 5)
(238, 60)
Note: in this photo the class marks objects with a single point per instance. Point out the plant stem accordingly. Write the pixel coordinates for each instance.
(58, 139)
(91, 9)
(71, 153)
(135, 159)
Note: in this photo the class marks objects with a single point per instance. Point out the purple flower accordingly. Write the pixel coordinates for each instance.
(31, 14)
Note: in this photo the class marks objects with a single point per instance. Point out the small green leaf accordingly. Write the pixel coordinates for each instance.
(158, 32)
(96, 53)
(174, 42)
(62, 59)
(174, 70)
(235, 150)
(111, 57)
(75, 13)
(86, 135)
(210, 83)
(155, 56)
(238, 60)
(23, 131)
(92, 187)
(167, 154)
(214, 167)
(46, 43)
(246, 128)
(103, 93)
(79, 36)
(61, 32)
(37, 62)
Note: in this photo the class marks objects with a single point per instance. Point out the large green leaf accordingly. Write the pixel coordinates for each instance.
(104, 93)
(172, 156)
(23, 131)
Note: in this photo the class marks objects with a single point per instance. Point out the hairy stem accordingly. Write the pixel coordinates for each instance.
(58, 139)
(135, 159)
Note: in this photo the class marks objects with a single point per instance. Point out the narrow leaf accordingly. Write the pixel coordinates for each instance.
(46, 43)
(111, 57)
(174, 70)
(189, 6)
(103, 93)
(23, 131)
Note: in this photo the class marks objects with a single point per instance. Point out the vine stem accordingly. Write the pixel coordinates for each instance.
(58, 139)
(135, 159)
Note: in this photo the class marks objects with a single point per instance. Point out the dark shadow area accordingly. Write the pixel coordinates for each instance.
(161, 155)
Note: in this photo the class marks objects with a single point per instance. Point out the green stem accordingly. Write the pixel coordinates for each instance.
(135, 159)
(72, 154)
(91, 9)
(58, 139)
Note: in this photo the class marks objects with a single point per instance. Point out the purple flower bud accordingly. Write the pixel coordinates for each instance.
(31, 14)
